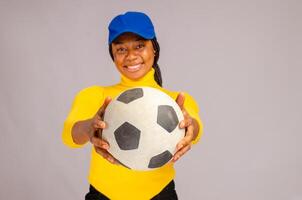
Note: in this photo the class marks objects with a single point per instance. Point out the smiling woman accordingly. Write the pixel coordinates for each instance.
(133, 55)
(135, 51)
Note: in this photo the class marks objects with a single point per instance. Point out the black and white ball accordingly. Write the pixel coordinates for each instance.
(143, 128)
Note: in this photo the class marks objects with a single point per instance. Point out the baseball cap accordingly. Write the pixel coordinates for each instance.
(134, 22)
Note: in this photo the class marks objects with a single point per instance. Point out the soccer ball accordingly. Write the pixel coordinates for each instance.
(143, 128)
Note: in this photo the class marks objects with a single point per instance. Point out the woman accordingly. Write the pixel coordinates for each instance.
(135, 52)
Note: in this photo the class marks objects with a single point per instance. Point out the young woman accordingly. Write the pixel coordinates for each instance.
(135, 52)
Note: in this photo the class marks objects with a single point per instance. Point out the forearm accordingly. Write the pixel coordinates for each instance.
(80, 131)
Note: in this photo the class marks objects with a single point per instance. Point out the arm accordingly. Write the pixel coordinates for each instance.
(191, 123)
(86, 130)
(91, 130)
(84, 124)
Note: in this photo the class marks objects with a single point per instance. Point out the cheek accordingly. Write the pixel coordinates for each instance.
(118, 62)
(149, 57)
(150, 53)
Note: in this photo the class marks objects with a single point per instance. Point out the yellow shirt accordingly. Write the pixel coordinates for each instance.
(117, 182)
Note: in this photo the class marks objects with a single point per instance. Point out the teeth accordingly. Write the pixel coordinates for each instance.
(133, 68)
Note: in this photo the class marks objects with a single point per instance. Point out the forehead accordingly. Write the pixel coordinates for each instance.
(127, 37)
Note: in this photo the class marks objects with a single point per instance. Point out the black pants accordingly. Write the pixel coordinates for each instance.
(168, 193)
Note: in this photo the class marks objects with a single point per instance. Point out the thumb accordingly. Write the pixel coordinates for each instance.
(101, 111)
(180, 100)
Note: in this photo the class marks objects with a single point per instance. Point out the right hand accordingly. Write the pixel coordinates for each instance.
(95, 135)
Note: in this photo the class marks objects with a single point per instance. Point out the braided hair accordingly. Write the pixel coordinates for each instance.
(157, 74)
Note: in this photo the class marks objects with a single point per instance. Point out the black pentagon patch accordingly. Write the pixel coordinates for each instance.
(131, 95)
(160, 159)
(127, 136)
(167, 118)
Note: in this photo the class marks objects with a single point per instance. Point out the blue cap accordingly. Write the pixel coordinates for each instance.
(133, 22)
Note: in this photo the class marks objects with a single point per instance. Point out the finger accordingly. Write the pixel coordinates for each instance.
(99, 143)
(105, 154)
(106, 102)
(99, 124)
(189, 135)
(187, 139)
(98, 127)
(102, 152)
(181, 152)
(101, 111)
(180, 100)
(99, 151)
(186, 122)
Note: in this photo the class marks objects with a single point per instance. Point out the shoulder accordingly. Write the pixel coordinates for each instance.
(174, 94)
(91, 92)
(91, 89)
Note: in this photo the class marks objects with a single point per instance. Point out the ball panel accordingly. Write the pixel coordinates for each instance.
(131, 95)
(160, 159)
(127, 136)
(167, 117)
(123, 164)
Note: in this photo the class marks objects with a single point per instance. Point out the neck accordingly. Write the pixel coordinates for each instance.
(147, 80)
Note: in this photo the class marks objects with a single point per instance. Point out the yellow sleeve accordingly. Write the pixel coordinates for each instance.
(84, 106)
(192, 108)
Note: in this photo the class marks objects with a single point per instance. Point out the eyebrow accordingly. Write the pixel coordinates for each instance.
(136, 40)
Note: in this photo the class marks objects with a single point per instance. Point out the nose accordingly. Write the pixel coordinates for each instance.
(131, 55)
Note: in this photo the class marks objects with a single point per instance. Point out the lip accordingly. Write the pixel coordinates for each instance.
(133, 68)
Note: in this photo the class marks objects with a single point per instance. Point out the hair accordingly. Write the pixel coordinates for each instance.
(156, 47)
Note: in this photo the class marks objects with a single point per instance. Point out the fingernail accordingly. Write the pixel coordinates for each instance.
(182, 124)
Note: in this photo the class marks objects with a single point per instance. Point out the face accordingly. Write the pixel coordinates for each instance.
(133, 56)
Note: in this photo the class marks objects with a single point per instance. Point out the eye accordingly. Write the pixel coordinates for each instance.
(121, 50)
(140, 46)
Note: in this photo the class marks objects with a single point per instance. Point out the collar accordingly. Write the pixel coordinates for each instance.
(147, 80)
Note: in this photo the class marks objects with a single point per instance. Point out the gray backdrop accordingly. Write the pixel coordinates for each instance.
(241, 60)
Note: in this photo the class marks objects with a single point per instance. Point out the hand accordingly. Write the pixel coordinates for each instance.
(188, 123)
(95, 135)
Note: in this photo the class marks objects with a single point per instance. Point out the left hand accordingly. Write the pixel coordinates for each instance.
(188, 123)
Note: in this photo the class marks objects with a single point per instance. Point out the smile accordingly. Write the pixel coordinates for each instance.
(133, 68)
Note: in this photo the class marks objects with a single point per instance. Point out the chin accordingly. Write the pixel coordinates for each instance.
(135, 76)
